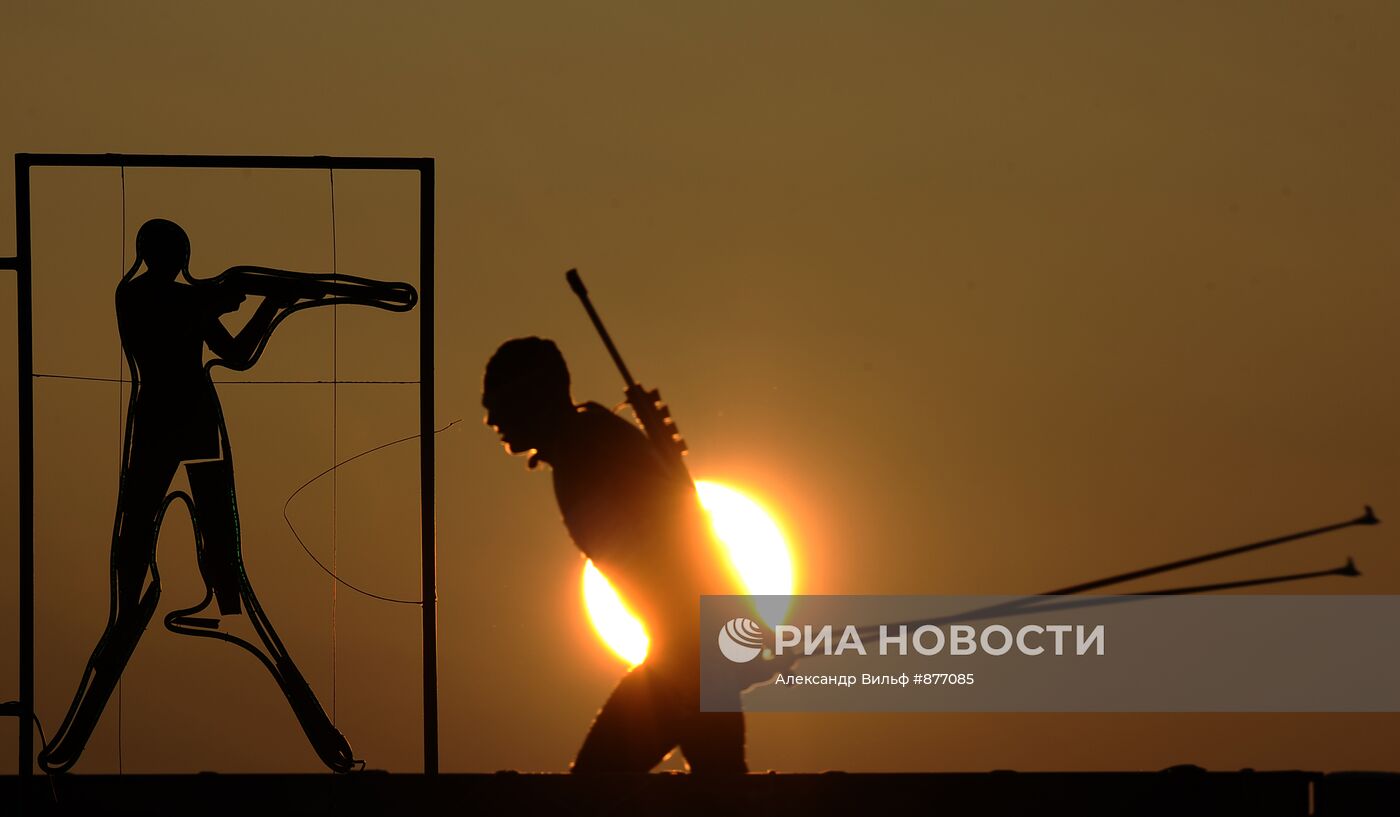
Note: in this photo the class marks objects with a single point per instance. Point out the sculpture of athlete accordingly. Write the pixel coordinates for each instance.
(645, 530)
(175, 420)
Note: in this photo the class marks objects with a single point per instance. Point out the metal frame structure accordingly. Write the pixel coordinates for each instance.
(21, 264)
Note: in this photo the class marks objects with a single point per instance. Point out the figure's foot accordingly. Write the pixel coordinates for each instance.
(198, 619)
(100, 678)
(67, 746)
(202, 622)
(330, 745)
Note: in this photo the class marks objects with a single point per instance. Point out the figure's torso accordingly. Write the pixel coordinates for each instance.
(162, 326)
(641, 525)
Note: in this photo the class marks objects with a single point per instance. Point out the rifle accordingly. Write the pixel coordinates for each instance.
(395, 296)
(654, 415)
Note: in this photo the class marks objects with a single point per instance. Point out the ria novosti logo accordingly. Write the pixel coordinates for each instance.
(741, 640)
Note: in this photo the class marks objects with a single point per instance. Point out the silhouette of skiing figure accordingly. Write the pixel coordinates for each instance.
(643, 527)
(175, 420)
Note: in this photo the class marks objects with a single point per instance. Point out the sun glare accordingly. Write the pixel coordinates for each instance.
(755, 544)
(757, 551)
(613, 622)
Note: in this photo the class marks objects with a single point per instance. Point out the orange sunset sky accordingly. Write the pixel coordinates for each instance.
(976, 297)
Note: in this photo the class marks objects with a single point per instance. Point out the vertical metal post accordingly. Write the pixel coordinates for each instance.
(24, 304)
(428, 477)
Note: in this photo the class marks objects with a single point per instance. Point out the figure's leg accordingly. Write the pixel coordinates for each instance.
(140, 504)
(713, 742)
(217, 536)
(221, 562)
(633, 731)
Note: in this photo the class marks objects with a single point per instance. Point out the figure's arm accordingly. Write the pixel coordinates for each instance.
(283, 292)
(238, 352)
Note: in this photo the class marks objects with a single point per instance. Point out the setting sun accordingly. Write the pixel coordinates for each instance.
(757, 551)
(613, 622)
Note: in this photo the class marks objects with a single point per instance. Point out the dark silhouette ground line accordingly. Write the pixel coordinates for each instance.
(1178, 791)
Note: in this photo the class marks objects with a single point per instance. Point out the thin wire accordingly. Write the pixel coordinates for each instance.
(50, 376)
(311, 481)
(121, 439)
(335, 446)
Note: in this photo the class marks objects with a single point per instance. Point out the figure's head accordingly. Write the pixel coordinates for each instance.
(526, 393)
(163, 245)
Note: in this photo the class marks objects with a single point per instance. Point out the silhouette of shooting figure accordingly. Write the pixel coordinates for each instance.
(637, 516)
(175, 420)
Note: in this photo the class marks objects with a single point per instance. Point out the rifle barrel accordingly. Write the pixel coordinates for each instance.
(576, 284)
(396, 296)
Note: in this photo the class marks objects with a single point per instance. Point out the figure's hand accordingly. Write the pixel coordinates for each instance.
(279, 301)
(227, 299)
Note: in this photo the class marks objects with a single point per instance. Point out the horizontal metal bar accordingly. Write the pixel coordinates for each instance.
(215, 161)
(90, 379)
(9, 262)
